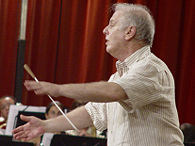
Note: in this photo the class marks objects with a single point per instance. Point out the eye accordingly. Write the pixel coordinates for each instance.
(111, 23)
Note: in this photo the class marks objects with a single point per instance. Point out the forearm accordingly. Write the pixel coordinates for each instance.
(79, 117)
(96, 91)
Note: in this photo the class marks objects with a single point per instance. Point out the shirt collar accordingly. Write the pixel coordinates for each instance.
(136, 56)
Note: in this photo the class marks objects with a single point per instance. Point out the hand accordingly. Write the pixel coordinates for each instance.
(33, 128)
(42, 88)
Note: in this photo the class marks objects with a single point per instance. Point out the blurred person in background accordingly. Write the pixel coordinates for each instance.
(5, 102)
(51, 112)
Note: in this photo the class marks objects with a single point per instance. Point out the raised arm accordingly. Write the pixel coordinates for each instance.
(95, 91)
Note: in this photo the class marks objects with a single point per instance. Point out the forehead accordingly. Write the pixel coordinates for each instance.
(116, 15)
(7, 99)
(53, 108)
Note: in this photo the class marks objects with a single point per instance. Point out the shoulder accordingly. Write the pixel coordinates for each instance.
(150, 64)
(152, 68)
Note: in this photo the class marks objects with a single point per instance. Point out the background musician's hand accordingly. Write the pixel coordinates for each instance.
(42, 88)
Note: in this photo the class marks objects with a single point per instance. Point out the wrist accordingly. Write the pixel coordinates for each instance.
(58, 91)
(45, 126)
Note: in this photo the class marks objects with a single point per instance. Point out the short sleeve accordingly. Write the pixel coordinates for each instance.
(98, 114)
(142, 86)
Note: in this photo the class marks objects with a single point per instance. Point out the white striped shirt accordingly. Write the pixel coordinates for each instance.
(149, 116)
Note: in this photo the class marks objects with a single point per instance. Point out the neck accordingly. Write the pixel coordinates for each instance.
(130, 49)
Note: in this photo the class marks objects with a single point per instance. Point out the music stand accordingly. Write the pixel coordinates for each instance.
(68, 140)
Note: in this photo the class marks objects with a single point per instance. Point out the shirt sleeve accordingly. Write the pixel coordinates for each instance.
(143, 85)
(98, 114)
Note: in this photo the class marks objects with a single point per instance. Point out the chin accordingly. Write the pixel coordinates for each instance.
(108, 49)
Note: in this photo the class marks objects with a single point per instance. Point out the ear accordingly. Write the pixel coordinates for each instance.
(130, 32)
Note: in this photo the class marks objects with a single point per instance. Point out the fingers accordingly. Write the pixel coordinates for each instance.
(21, 129)
(26, 118)
(23, 132)
(31, 85)
(23, 135)
(38, 88)
(17, 130)
(41, 88)
(19, 133)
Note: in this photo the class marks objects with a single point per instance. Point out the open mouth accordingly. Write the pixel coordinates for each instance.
(106, 41)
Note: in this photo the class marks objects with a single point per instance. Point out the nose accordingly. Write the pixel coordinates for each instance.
(105, 31)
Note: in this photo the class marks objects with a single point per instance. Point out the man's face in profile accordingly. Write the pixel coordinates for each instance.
(114, 34)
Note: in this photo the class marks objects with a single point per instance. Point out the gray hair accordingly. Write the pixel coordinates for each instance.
(140, 17)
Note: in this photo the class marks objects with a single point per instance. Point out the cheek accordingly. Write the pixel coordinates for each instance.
(116, 36)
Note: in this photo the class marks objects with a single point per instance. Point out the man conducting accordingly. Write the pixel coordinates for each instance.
(137, 104)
